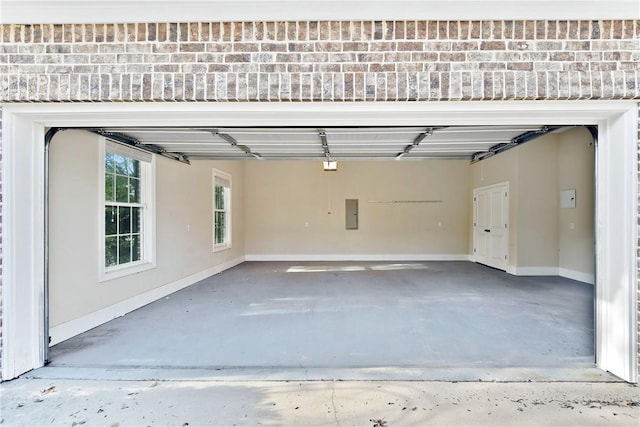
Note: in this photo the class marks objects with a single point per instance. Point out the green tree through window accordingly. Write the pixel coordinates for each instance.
(123, 210)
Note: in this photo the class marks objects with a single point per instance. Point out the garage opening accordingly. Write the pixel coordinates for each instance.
(25, 338)
(409, 286)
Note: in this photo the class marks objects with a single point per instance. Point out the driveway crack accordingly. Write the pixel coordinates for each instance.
(333, 403)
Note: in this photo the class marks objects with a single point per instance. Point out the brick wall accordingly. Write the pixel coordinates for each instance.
(322, 61)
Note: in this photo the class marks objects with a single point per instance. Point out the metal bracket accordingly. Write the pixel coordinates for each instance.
(415, 143)
(518, 140)
(325, 144)
(231, 140)
(132, 142)
(593, 130)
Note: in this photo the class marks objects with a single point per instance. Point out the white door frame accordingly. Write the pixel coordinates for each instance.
(23, 128)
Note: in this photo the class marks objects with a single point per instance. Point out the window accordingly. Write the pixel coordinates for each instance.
(221, 210)
(127, 229)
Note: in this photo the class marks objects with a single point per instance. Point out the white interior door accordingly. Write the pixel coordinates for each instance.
(491, 225)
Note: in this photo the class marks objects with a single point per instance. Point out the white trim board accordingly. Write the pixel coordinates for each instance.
(552, 271)
(577, 275)
(125, 11)
(532, 271)
(354, 257)
(408, 113)
(89, 321)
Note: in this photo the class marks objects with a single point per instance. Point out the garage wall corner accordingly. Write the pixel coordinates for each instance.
(184, 236)
(545, 239)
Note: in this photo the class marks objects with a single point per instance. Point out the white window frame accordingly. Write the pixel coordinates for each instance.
(147, 202)
(225, 177)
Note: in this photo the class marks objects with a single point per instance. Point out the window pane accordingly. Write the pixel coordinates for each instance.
(111, 251)
(219, 194)
(108, 188)
(134, 190)
(216, 227)
(110, 224)
(121, 164)
(220, 227)
(122, 189)
(109, 163)
(136, 214)
(124, 220)
(123, 229)
(137, 248)
(124, 249)
(133, 167)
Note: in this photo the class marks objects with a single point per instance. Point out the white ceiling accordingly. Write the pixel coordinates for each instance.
(337, 143)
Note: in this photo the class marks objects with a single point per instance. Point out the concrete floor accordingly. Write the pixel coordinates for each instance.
(354, 320)
(201, 349)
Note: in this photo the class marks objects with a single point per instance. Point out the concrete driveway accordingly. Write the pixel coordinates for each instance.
(293, 403)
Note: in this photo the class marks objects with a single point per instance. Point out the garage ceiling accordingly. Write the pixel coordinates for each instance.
(336, 143)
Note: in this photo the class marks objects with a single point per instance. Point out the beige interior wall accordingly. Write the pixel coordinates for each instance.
(577, 243)
(295, 208)
(532, 173)
(183, 226)
(540, 234)
(538, 202)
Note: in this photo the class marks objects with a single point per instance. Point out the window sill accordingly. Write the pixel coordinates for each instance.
(220, 248)
(128, 270)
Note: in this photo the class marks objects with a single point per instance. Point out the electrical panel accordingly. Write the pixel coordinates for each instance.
(351, 214)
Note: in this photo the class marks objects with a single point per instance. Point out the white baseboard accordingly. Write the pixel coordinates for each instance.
(532, 271)
(552, 271)
(577, 275)
(356, 257)
(82, 324)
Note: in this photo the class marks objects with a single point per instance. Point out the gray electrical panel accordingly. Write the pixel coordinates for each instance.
(351, 214)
